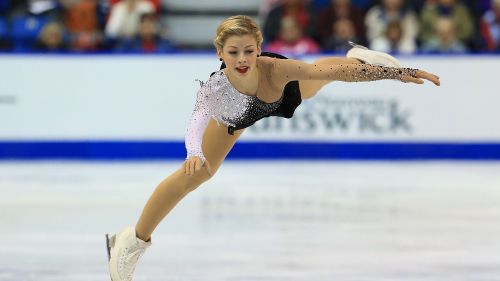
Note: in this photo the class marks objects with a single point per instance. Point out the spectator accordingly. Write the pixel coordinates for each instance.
(363, 4)
(124, 19)
(46, 8)
(490, 27)
(298, 9)
(445, 40)
(343, 32)
(292, 39)
(378, 18)
(156, 3)
(392, 41)
(265, 7)
(51, 39)
(148, 39)
(433, 11)
(340, 9)
(82, 23)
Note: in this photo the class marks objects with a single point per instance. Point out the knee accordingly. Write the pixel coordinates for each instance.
(194, 181)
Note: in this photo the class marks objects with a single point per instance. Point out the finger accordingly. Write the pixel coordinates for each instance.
(191, 168)
(409, 79)
(188, 163)
(197, 165)
(432, 78)
(416, 80)
(436, 81)
(185, 166)
(428, 76)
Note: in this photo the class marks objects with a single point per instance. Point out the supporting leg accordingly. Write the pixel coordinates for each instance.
(216, 145)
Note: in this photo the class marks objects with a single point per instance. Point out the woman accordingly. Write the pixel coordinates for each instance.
(249, 87)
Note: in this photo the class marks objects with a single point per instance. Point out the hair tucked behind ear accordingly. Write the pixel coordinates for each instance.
(237, 25)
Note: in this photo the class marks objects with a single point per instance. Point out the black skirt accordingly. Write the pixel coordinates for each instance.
(291, 94)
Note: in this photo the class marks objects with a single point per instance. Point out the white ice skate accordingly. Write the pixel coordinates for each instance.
(124, 249)
(366, 55)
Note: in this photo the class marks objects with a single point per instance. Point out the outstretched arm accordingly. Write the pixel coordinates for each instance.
(284, 71)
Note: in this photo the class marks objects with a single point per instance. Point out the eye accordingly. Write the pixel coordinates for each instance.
(232, 53)
(249, 51)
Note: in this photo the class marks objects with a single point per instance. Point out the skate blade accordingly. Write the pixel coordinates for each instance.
(110, 242)
(357, 45)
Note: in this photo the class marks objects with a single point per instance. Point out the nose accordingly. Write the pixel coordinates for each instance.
(242, 58)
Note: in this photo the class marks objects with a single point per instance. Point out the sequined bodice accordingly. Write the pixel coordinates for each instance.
(231, 107)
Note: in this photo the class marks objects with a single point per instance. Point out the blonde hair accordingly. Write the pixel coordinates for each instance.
(237, 25)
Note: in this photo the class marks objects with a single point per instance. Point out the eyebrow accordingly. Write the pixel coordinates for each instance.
(244, 47)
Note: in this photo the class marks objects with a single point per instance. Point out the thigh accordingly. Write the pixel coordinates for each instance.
(217, 143)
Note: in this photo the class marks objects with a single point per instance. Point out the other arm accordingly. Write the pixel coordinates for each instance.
(196, 129)
(284, 71)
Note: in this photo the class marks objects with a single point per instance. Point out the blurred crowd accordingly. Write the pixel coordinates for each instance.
(289, 26)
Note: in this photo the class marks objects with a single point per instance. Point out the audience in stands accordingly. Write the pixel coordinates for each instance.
(490, 27)
(125, 16)
(4, 28)
(52, 39)
(343, 31)
(445, 39)
(340, 10)
(393, 40)
(394, 13)
(82, 24)
(434, 10)
(300, 10)
(156, 3)
(148, 40)
(292, 39)
(89, 26)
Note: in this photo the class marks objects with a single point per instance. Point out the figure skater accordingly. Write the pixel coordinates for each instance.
(250, 85)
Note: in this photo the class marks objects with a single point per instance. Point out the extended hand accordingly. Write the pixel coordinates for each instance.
(420, 76)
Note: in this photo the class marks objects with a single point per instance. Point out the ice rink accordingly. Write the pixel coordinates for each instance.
(258, 221)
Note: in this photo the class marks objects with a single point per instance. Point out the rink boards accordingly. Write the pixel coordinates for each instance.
(137, 107)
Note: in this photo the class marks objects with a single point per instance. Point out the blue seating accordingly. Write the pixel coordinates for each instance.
(26, 28)
(24, 32)
(4, 6)
(3, 28)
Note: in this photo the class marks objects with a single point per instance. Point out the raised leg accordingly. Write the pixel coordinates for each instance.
(309, 88)
(216, 145)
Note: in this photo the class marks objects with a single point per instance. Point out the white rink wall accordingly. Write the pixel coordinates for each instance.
(150, 98)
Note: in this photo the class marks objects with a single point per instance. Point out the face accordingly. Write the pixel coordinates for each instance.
(291, 32)
(496, 7)
(239, 53)
(341, 3)
(393, 4)
(52, 36)
(445, 30)
(147, 28)
(394, 32)
(447, 3)
(344, 29)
